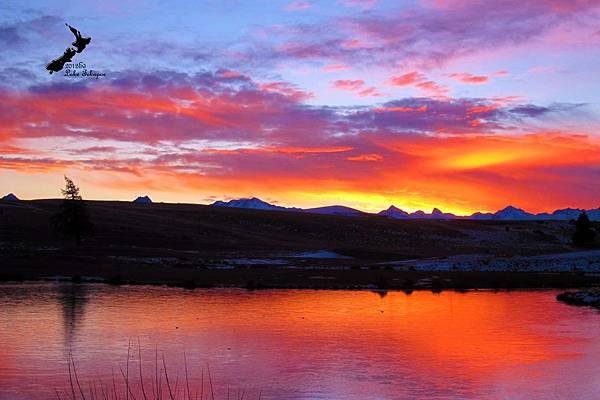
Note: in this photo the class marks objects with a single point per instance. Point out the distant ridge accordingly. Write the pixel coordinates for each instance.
(509, 213)
(255, 203)
(396, 213)
(335, 210)
(506, 214)
(10, 197)
(143, 200)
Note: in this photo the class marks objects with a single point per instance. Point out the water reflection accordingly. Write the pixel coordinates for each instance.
(72, 298)
(295, 344)
(380, 292)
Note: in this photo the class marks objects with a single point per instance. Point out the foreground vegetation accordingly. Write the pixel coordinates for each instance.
(137, 384)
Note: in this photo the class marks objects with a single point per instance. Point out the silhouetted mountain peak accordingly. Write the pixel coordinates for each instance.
(511, 208)
(512, 212)
(394, 212)
(10, 197)
(143, 200)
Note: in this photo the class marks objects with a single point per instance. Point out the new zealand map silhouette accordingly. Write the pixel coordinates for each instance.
(79, 45)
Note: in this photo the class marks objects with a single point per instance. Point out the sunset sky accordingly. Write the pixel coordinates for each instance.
(461, 105)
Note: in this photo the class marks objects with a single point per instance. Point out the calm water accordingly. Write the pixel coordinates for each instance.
(301, 344)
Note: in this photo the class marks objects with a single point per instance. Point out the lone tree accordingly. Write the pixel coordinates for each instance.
(72, 218)
(584, 233)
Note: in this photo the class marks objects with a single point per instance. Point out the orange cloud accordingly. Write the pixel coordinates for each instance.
(365, 157)
(456, 154)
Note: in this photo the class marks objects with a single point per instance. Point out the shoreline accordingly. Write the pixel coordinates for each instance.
(274, 277)
(202, 246)
(91, 281)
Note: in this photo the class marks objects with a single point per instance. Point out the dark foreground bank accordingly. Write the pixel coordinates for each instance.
(81, 269)
(200, 246)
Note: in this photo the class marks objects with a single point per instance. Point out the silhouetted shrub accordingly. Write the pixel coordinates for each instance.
(584, 233)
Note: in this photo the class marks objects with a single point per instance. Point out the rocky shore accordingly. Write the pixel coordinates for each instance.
(587, 297)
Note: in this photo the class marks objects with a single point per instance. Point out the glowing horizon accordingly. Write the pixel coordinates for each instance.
(366, 104)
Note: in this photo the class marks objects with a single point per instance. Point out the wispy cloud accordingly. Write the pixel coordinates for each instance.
(358, 86)
(298, 6)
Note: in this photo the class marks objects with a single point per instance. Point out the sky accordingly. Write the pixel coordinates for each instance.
(462, 105)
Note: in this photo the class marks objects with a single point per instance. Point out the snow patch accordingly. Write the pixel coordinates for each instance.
(322, 254)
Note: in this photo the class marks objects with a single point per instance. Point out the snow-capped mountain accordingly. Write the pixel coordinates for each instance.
(143, 200)
(252, 203)
(10, 197)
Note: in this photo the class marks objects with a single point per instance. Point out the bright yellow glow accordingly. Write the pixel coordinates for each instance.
(486, 158)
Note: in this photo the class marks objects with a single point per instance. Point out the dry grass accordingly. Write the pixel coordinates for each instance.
(124, 386)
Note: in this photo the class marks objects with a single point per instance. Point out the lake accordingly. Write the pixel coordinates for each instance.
(299, 344)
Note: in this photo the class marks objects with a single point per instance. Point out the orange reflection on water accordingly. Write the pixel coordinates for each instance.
(308, 344)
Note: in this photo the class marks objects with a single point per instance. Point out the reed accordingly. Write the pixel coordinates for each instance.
(160, 387)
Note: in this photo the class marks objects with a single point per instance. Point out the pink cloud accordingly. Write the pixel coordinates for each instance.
(419, 81)
(354, 44)
(371, 91)
(335, 67)
(289, 90)
(430, 36)
(298, 6)
(347, 84)
(231, 74)
(357, 86)
(422, 108)
(469, 78)
(407, 79)
(363, 4)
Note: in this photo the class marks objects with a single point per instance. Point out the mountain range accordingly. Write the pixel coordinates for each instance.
(507, 213)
